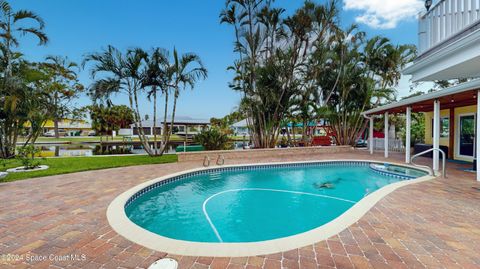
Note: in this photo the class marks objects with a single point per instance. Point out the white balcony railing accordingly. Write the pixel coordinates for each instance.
(445, 19)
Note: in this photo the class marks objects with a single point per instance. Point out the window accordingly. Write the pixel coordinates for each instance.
(444, 127)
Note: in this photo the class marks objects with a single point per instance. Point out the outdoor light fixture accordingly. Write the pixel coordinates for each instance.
(428, 4)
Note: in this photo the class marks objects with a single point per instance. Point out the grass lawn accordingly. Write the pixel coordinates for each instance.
(77, 164)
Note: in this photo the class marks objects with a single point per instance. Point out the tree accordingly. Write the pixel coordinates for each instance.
(16, 96)
(212, 139)
(123, 73)
(14, 24)
(62, 88)
(108, 118)
(157, 77)
(273, 53)
(135, 72)
(186, 70)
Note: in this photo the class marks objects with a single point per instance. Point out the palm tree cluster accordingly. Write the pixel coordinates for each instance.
(19, 101)
(30, 92)
(136, 72)
(305, 68)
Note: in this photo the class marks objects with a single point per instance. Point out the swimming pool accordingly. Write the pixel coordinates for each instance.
(251, 204)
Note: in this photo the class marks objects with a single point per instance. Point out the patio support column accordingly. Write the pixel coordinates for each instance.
(436, 134)
(370, 135)
(477, 152)
(386, 135)
(408, 134)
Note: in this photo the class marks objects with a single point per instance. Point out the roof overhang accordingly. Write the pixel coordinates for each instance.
(463, 94)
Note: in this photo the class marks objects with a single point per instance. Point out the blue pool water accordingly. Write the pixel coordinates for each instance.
(252, 205)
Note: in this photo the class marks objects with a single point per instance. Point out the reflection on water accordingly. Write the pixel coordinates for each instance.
(78, 150)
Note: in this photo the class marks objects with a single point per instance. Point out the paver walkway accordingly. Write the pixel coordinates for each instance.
(435, 224)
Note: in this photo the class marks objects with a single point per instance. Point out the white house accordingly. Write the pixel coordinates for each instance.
(240, 128)
(449, 48)
(182, 126)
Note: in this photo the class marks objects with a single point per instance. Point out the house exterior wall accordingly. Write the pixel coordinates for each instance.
(444, 141)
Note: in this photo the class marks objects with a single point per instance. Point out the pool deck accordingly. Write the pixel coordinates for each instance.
(433, 224)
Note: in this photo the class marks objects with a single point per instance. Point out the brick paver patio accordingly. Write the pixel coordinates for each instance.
(435, 224)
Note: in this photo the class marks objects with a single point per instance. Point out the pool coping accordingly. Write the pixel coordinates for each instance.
(119, 221)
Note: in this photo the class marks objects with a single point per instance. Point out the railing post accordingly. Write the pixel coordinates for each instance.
(477, 152)
(385, 140)
(408, 134)
(436, 134)
(370, 134)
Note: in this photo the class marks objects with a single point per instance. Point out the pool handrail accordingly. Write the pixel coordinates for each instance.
(220, 157)
(444, 175)
(207, 158)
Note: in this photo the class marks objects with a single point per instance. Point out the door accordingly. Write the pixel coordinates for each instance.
(466, 135)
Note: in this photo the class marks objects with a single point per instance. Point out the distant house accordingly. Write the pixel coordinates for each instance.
(181, 126)
(240, 128)
(66, 127)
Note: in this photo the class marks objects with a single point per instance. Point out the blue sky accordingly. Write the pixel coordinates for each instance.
(77, 27)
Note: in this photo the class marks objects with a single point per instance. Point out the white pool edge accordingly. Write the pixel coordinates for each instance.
(119, 221)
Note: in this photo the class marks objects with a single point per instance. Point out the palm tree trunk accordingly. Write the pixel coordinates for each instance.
(173, 111)
(155, 146)
(165, 130)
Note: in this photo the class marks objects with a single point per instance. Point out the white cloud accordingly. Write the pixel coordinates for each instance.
(384, 14)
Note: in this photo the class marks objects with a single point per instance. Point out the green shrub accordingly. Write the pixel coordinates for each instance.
(27, 156)
(213, 139)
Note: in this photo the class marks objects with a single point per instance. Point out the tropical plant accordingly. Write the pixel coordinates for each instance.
(157, 77)
(14, 24)
(212, 139)
(273, 53)
(16, 98)
(122, 73)
(109, 118)
(28, 157)
(137, 72)
(62, 87)
(305, 68)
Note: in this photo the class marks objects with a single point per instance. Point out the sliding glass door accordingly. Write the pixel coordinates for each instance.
(466, 139)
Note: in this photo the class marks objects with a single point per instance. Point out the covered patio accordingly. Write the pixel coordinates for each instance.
(451, 99)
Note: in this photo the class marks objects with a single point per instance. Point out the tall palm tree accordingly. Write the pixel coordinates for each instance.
(186, 70)
(12, 26)
(14, 93)
(123, 74)
(157, 76)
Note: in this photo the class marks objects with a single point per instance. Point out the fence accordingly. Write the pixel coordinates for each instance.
(394, 145)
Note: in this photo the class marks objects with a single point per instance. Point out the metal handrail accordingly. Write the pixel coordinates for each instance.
(425, 166)
(220, 157)
(207, 158)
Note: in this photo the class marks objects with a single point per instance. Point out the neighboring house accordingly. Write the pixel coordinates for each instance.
(181, 126)
(449, 38)
(240, 128)
(66, 127)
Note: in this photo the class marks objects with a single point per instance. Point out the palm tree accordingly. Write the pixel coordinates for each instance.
(64, 86)
(14, 93)
(123, 74)
(157, 76)
(12, 26)
(186, 70)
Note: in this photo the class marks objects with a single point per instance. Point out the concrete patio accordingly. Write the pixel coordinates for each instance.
(434, 224)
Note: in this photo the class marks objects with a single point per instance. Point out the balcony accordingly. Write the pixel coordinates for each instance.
(448, 48)
(446, 20)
